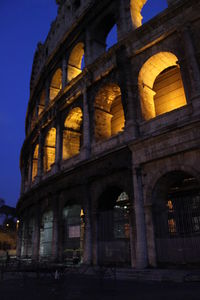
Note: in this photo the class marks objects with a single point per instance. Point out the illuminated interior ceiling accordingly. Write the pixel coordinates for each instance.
(75, 60)
(109, 114)
(147, 76)
(56, 84)
(74, 119)
(50, 149)
(136, 8)
(106, 96)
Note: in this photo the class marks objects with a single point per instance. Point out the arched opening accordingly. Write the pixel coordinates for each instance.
(114, 228)
(56, 84)
(41, 105)
(152, 8)
(72, 133)
(160, 85)
(49, 149)
(46, 234)
(76, 62)
(35, 162)
(176, 214)
(73, 239)
(111, 39)
(109, 113)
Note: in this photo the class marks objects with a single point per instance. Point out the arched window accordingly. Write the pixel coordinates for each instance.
(114, 227)
(160, 85)
(35, 162)
(42, 102)
(49, 149)
(176, 214)
(109, 114)
(111, 37)
(76, 61)
(152, 8)
(72, 133)
(46, 234)
(56, 84)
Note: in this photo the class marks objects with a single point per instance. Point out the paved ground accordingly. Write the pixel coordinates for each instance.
(75, 287)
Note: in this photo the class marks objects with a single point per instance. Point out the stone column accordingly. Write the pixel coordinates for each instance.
(19, 240)
(36, 234)
(132, 237)
(47, 87)
(59, 141)
(86, 125)
(22, 180)
(64, 72)
(191, 62)
(87, 255)
(125, 24)
(40, 156)
(30, 168)
(129, 90)
(141, 243)
(150, 235)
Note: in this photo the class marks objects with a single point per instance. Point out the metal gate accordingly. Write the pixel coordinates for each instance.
(177, 228)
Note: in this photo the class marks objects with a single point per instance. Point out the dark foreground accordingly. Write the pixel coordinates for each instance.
(82, 287)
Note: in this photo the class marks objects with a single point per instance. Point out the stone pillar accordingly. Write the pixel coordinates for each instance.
(19, 240)
(47, 87)
(191, 62)
(150, 236)
(129, 90)
(132, 237)
(87, 255)
(36, 234)
(30, 169)
(86, 125)
(22, 180)
(64, 72)
(40, 156)
(125, 24)
(141, 243)
(59, 141)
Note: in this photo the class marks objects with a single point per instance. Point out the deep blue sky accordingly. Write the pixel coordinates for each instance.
(22, 24)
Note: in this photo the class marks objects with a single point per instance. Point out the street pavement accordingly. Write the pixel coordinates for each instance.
(75, 287)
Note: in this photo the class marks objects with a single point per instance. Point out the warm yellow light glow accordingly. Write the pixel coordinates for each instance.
(109, 114)
(136, 8)
(75, 60)
(72, 133)
(35, 162)
(82, 213)
(161, 88)
(56, 84)
(49, 149)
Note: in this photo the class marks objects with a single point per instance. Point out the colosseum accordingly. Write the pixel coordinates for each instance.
(110, 164)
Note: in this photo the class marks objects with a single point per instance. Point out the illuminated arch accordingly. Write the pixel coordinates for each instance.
(72, 133)
(49, 149)
(56, 84)
(35, 162)
(160, 85)
(136, 8)
(109, 113)
(75, 61)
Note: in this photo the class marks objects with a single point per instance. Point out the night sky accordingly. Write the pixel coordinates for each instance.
(23, 23)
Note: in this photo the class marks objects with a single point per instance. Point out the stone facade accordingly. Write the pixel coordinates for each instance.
(110, 163)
